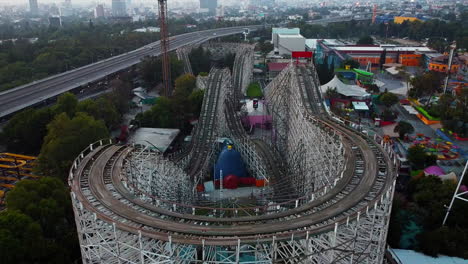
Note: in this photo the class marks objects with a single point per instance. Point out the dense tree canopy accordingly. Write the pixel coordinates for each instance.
(200, 60)
(151, 69)
(388, 99)
(426, 84)
(177, 110)
(64, 49)
(403, 128)
(365, 40)
(184, 85)
(25, 131)
(419, 158)
(66, 138)
(21, 239)
(47, 202)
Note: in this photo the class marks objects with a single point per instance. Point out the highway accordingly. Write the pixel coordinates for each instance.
(27, 95)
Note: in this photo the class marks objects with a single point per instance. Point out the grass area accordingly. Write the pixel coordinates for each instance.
(415, 173)
(254, 90)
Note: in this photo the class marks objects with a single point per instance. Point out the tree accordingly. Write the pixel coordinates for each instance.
(426, 84)
(228, 61)
(25, 131)
(352, 63)
(66, 103)
(403, 128)
(388, 99)
(101, 109)
(160, 115)
(444, 241)
(196, 101)
(418, 157)
(265, 48)
(365, 40)
(65, 139)
(200, 60)
(21, 239)
(121, 93)
(185, 84)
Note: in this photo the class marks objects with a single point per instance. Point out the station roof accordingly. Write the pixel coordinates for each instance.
(161, 138)
(277, 66)
(411, 257)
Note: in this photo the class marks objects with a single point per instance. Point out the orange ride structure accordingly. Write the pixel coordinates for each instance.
(13, 168)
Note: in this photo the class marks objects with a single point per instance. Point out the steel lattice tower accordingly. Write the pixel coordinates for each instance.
(166, 67)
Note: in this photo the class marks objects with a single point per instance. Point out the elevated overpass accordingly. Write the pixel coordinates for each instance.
(30, 94)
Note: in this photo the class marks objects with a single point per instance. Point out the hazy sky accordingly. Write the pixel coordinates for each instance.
(82, 2)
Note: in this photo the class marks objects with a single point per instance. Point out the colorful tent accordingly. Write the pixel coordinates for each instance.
(434, 170)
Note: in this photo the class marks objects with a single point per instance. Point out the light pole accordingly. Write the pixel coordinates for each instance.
(449, 66)
(457, 195)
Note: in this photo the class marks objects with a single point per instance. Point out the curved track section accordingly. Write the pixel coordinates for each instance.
(342, 183)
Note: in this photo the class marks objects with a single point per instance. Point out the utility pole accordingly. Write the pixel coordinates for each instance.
(449, 68)
(166, 64)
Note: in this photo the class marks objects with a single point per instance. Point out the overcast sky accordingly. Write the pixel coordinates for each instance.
(23, 2)
(82, 2)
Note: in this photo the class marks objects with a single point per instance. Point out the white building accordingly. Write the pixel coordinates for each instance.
(99, 11)
(289, 43)
(287, 40)
(119, 8)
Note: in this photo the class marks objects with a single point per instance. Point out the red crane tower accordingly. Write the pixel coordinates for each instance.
(166, 67)
(374, 13)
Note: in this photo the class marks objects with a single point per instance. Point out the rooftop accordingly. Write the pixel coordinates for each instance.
(445, 58)
(161, 138)
(311, 43)
(297, 36)
(380, 49)
(286, 31)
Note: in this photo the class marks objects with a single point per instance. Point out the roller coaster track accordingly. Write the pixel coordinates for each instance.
(183, 55)
(101, 194)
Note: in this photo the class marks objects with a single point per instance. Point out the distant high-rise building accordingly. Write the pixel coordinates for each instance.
(55, 21)
(33, 7)
(119, 8)
(209, 4)
(220, 12)
(99, 11)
